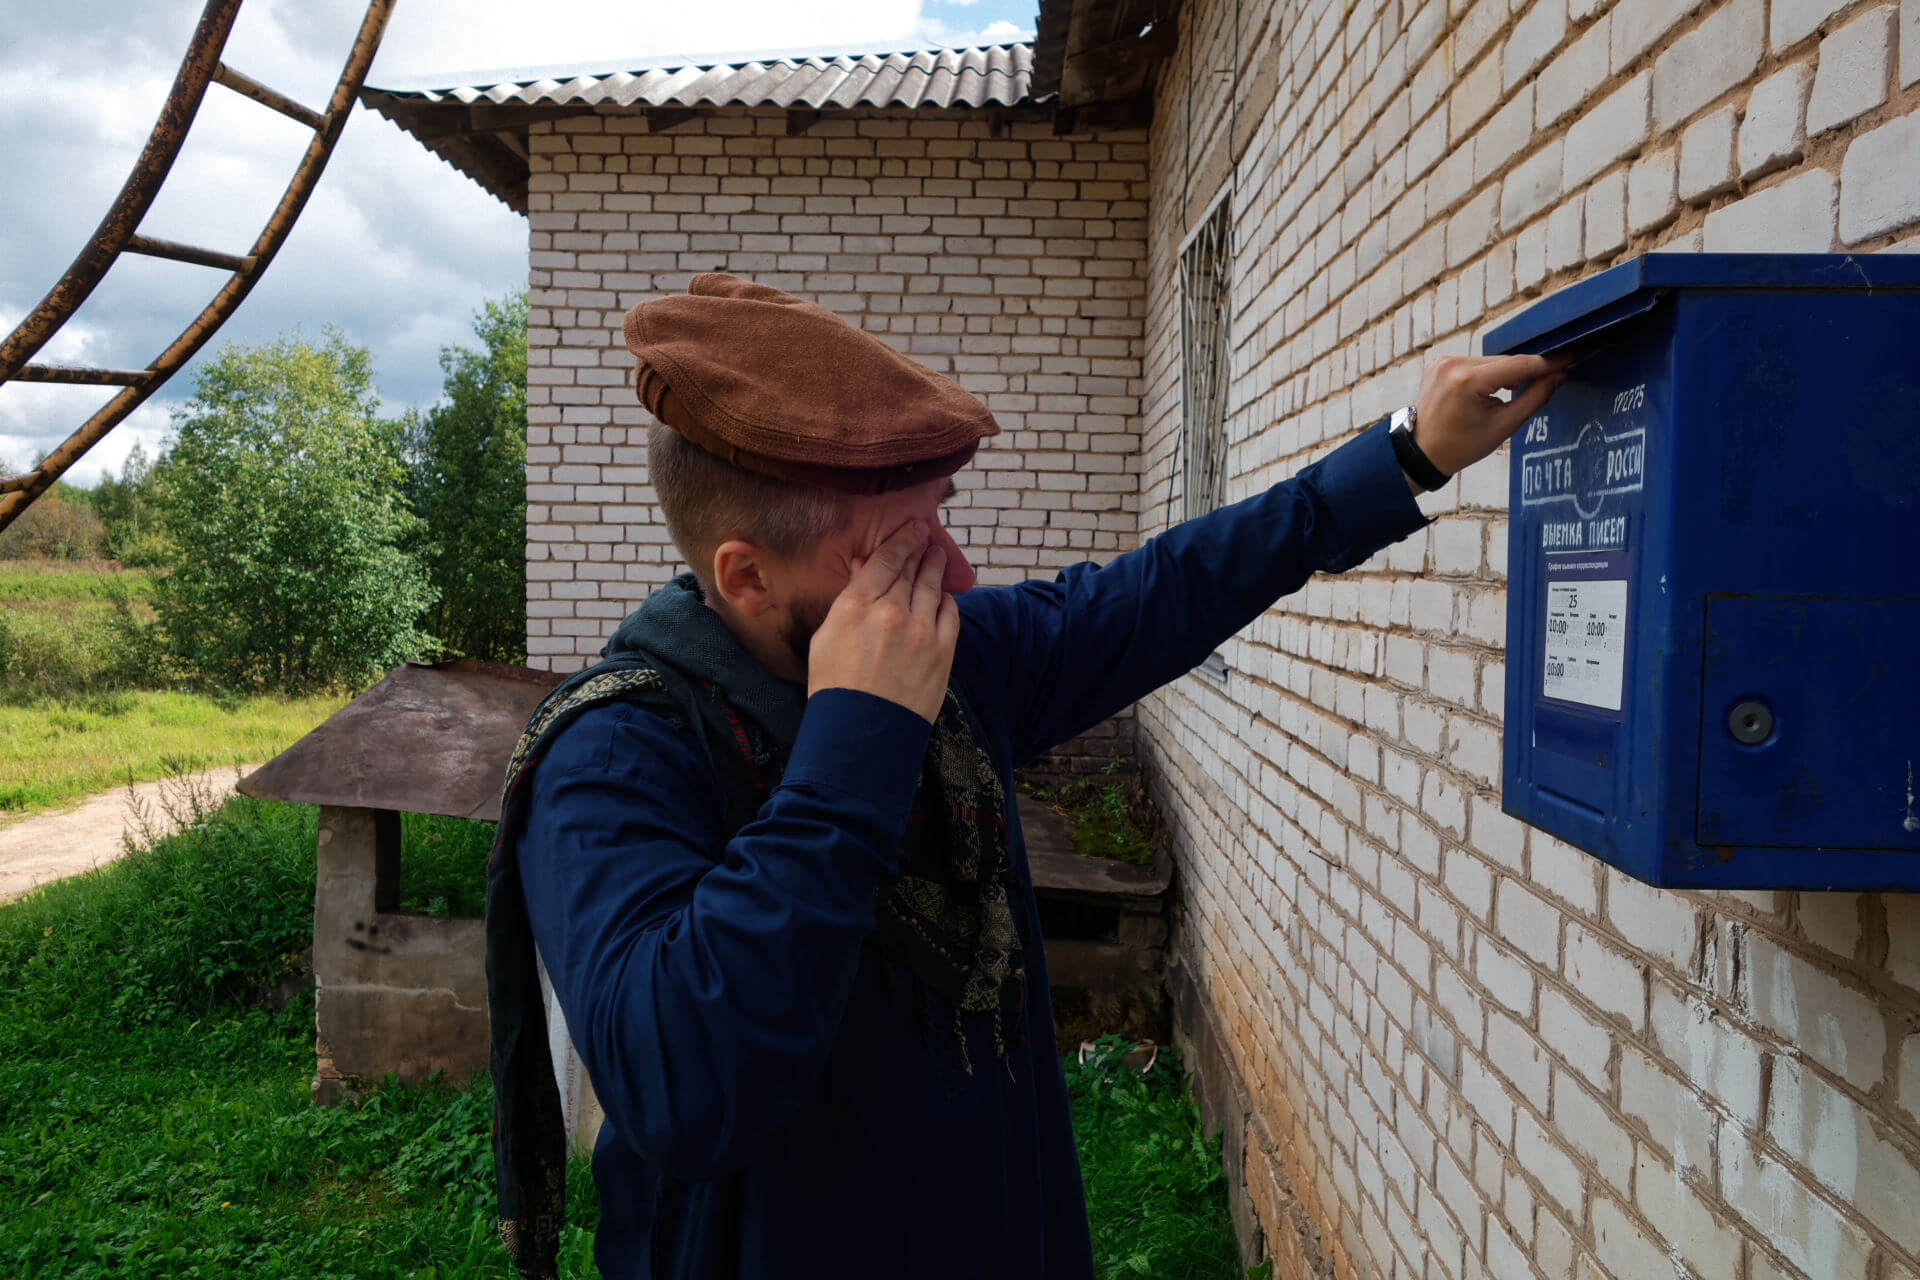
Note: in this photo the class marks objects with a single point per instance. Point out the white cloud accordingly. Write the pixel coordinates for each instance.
(999, 31)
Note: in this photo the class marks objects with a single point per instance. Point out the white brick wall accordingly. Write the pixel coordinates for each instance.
(985, 247)
(1450, 1046)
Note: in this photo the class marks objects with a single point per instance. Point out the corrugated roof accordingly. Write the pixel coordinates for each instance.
(477, 122)
(991, 75)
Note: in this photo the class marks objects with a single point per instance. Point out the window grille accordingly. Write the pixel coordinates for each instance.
(1203, 360)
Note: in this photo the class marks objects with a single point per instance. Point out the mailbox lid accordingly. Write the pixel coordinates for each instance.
(1638, 284)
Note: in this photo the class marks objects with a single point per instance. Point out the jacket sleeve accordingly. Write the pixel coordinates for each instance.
(1062, 656)
(703, 979)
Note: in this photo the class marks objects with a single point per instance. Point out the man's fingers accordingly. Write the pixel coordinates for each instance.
(947, 624)
(1527, 401)
(926, 584)
(884, 567)
(1490, 376)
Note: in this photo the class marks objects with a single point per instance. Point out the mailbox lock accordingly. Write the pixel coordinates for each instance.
(1750, 721)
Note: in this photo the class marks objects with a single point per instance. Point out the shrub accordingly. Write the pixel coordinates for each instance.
(443, 865)
(54, 528)
(77, 647)
(281, 494)
(180, 925)
(188, 921)
(125, 504)
(1112, 816)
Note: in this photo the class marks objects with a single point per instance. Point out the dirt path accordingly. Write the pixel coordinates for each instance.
(52, 846)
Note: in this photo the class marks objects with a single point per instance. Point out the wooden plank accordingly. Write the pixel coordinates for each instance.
(485, 117)
(1057, 869)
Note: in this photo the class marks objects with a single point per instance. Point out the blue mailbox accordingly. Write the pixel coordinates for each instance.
(1713, 609)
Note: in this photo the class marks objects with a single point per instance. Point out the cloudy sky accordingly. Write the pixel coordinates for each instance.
(394, 247)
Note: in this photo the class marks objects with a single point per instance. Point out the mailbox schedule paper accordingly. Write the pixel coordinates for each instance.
(1586, 630)
(1581, 489)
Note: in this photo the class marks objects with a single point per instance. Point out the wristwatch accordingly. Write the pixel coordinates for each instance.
(1413, 460)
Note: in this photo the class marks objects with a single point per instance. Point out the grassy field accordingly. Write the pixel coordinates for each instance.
(82, 708)
(154, 1121)
(42, 581)
(58, 749)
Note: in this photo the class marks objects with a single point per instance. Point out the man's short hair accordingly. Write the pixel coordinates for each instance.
(708, 500)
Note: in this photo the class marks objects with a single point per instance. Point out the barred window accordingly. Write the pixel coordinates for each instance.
(1204, 263)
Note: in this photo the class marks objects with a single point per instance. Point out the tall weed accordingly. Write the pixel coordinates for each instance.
(443, 864)
(92, 645)
(155, 1127)
(1156, 1196)
(180, 925)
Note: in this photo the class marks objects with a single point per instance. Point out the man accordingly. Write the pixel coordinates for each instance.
(767, 848)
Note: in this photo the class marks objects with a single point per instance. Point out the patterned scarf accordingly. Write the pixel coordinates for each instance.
(947, 918)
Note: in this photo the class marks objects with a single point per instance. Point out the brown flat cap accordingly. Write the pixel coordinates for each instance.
(781, 386)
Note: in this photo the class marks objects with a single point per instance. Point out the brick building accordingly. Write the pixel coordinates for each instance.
(1438, 1043)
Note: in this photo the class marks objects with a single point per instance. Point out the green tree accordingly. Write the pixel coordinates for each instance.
(282, 498)
(126, 505)
(467, 484)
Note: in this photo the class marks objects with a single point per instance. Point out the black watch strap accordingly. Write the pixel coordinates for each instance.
(1418, 466)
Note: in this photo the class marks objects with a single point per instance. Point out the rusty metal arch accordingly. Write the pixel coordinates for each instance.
(118, 233)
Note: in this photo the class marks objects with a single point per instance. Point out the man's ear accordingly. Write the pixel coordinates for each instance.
(740, 577)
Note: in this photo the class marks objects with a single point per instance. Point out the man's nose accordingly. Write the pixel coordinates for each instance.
(959, 575)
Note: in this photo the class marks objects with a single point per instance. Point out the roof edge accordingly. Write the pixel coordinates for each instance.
(486, 78)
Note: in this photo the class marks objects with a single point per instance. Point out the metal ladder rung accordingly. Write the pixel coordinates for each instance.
(248, 87)
(199, 257)
(116, 235)
(82, 375)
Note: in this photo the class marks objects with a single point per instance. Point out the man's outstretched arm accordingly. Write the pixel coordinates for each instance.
(1066, 654)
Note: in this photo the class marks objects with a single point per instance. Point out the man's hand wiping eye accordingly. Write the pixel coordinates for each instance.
(891, 631)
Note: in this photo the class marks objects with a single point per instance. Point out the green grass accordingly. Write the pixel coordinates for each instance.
(192, 921)
(1156, 1196)
(191, 1150)
(70, 580)
(73, 646)
(443, 865)
(154, 1123)
(86, 704)
(1109, 816)
(55, 749)
(84, 701)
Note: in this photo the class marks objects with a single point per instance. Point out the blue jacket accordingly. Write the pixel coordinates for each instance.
(772, 1110)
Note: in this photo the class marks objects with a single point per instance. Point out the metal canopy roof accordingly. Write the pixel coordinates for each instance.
(991, 75)
(426, 739)
(478, 122)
